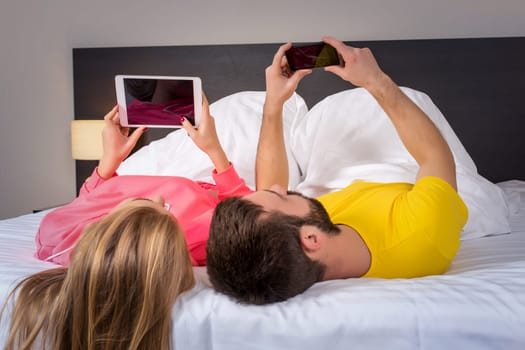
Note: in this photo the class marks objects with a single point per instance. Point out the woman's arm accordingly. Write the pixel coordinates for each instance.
(205, 137)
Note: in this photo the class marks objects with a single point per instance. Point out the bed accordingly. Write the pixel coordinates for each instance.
(471, 88)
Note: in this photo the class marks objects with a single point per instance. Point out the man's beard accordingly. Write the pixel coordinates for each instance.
(318, 216)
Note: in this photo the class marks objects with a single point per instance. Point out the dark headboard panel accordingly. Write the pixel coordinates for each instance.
(478, 84)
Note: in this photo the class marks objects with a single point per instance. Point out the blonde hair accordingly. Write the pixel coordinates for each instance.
(117, 293)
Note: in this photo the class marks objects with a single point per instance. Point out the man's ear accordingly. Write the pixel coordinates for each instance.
(312, 239)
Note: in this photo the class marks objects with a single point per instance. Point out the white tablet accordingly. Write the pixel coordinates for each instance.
(158, 101)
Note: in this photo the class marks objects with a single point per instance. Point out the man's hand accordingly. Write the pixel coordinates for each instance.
(281, 81)
(360, 67)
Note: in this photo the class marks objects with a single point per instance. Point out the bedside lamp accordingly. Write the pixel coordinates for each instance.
(86, 139)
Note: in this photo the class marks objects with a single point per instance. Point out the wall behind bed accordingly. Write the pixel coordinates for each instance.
(37, 37)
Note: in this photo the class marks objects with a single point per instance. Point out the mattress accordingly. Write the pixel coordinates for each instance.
(478, 304)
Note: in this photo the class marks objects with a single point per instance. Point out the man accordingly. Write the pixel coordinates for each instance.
(272, 244)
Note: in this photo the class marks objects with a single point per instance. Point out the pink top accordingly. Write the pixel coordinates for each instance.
(192, 203)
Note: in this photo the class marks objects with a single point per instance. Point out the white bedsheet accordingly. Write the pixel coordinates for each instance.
(478, 304)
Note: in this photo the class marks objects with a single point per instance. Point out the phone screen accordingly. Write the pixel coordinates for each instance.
(159, 101)
(311, 56)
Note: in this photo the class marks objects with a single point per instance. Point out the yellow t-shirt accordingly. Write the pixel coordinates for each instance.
(410, 230)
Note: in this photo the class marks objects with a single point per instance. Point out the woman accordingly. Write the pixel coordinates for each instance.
(192, 203)
(129, 257)
(118, 291)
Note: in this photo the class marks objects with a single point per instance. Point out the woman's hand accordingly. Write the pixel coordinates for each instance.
(205, 137)
(117, 143)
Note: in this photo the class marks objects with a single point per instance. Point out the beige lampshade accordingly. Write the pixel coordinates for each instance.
(86, 139)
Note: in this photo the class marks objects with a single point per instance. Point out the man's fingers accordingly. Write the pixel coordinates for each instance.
(280, 53)
(300, 74)
(338, 45)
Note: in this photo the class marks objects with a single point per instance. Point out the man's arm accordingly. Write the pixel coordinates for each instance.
(271, 165)
(417, 132)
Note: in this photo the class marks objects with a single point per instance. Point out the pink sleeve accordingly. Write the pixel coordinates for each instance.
(59, 229)
(229, 183)
(58, 232)
(92, 182)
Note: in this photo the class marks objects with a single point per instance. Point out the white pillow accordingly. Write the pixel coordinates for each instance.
(237, 119)
(347, 136)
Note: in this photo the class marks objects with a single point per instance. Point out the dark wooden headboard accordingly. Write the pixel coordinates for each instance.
(478, 84)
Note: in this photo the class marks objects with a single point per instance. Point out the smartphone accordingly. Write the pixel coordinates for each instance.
(158, 101)
(312, 56)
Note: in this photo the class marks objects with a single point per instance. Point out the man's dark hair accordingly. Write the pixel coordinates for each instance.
(257, 257)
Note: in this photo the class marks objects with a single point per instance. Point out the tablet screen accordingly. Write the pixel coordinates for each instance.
(158, 101)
